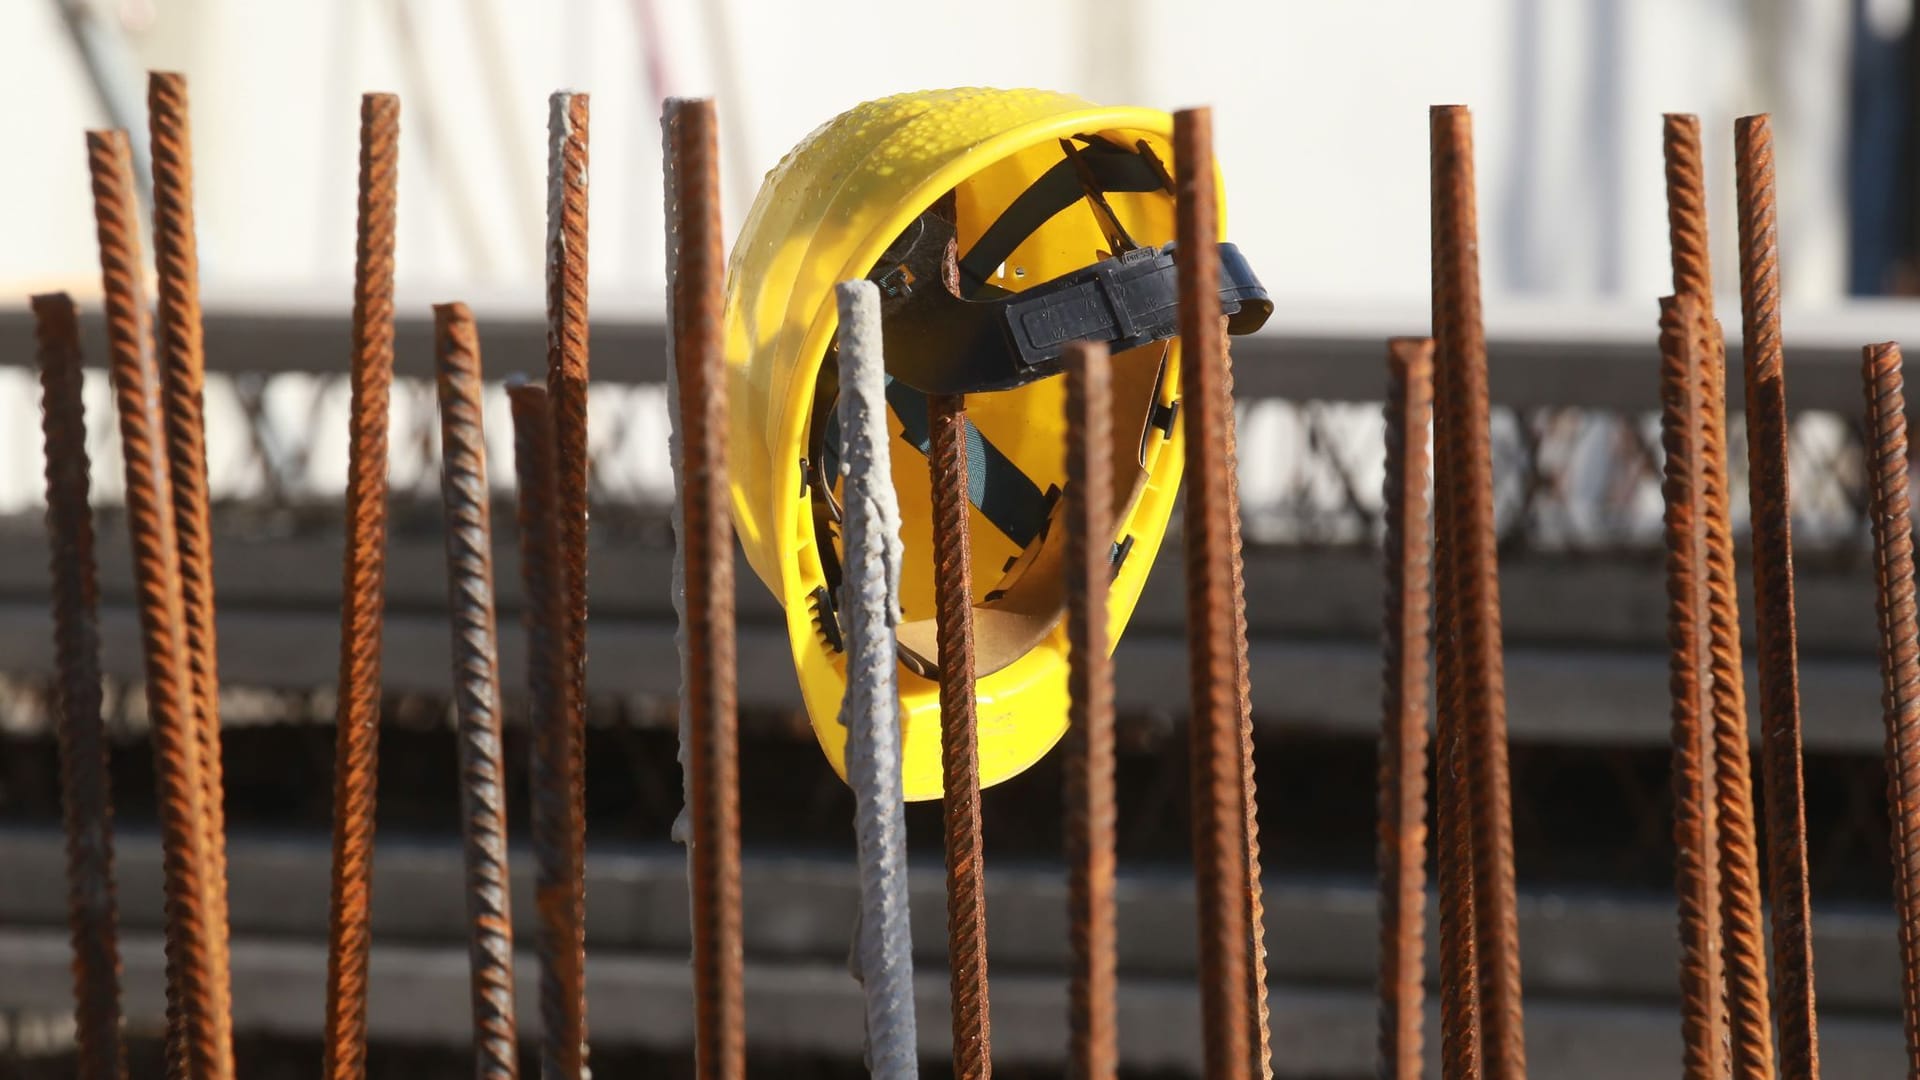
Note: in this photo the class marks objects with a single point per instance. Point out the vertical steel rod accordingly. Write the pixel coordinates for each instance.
(357, 740)
(1780, 757)
(567, 387)
(1693, 278)
(959, 742)
(86, 800)
(1889, 473)
(177, 338)
(1217, 756)
(870, 711)
(1690, 683)
(550, 686)
(1093, 1038)
(712, 724)
(1403, 739)
(476, 690)
(1477, 706)
(194, 1046)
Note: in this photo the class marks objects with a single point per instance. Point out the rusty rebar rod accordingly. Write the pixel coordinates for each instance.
(178, 341)
(357, 741)
(1402, 837)
(870, 710)
(86, 800)
(1890, 475)
(1477, 704)
(1693, 279)
(712, 725)
(567, 117)
(1218, 769)
(476, 689)
(543, 570)
(1742, 931)
(959, 739)
(1780, 752)
(194, 1044)
(1089, 743)
(1690, 682)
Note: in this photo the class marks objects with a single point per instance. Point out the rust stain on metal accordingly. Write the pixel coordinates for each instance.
(476, 690)
(1476, 705)
(1402, 794)
(357, 720)
(1093, 1038)
(1780, 751)
(1889, 478)
(557, 869)
(959, 741)
(697, 301)
(195, 1045)
(1218, 763)
(86, 800)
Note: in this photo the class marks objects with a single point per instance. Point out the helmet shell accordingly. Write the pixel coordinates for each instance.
(825, 214)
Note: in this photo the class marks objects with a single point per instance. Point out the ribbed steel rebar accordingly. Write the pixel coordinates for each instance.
(357, 712)
(1780, 753)
(712, 724)
(86, 800)
(870, 711)
(1693, 278)
(1479, 701)
(959, 741)
(567, 117)
(1093, 1039)
(1218, 767)
(1890, 476)
(177, 338)
(1742, 931)
(550, 686)
(194, 1044)
(1402, 836)
(1690, 681)
(1249, 791)
(476, 689)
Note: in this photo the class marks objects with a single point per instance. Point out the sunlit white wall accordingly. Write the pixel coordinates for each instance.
(1320, 115)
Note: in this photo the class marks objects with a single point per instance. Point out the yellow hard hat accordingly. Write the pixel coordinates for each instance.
(999, 225)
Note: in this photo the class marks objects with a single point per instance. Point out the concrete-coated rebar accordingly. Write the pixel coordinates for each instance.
(86, 799)
(870, 711)
(476, 690)
(356, 758)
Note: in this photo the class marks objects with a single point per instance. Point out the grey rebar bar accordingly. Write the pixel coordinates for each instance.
(870, 712)
(476, 690)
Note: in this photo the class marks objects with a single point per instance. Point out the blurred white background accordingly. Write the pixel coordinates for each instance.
(1320, 112)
